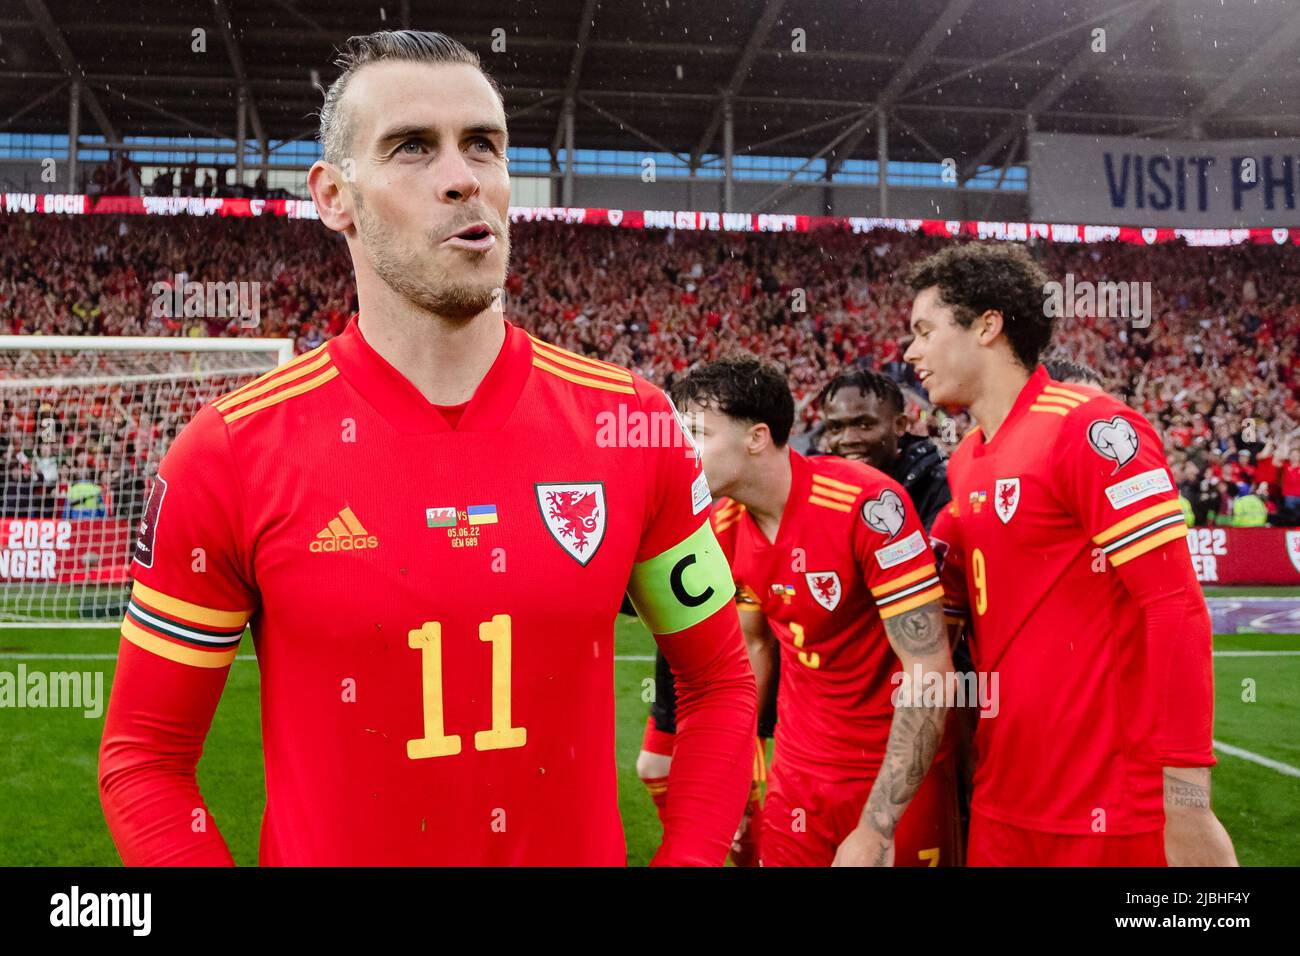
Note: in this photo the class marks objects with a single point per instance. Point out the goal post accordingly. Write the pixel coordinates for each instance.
(84, 422)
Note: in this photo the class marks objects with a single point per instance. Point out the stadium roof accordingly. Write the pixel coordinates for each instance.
(958, 77)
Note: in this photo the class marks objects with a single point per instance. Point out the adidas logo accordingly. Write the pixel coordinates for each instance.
(343, 533)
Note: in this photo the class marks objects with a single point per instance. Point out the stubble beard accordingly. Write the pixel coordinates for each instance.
(432, 290)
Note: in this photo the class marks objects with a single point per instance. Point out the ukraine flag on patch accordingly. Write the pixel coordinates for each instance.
(482, 514)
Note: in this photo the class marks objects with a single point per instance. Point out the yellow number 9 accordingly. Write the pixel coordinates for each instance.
(981, 581)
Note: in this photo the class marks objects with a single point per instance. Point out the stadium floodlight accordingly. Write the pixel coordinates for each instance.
(84, 421)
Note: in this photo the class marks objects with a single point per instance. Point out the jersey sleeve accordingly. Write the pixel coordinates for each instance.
(892, 550)
(682, 588)
(1114, 480)
(945, 541)
(190, 602)
(1111, 465)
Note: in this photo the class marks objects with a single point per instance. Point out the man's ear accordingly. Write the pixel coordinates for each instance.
(759, 437)
(988, 326)
(329, 192)
(901, 424)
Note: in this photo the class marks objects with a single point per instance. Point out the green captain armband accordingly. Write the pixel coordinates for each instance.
(684, 585)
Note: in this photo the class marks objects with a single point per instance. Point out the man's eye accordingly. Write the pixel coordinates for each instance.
(485, 142)
(410, 142)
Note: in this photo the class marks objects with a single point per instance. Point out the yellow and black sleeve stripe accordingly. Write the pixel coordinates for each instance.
(182, 632)
(908, 591)
(1139, 533)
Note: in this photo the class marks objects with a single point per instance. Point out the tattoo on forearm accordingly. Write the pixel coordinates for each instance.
(919, 631)
(913, 739)
(1183, 792)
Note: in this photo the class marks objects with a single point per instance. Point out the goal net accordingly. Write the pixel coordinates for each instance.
(84, 422)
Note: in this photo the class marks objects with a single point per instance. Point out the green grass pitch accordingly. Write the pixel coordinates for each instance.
(49, 803)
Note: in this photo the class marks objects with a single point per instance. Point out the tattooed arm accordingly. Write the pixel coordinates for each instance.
(920, 640)
(1193, 834)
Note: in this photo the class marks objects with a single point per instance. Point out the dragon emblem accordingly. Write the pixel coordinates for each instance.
(825, 588)
(575, 515)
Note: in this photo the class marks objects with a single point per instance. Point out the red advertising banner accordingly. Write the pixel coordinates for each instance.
(66, 550)
(1245, 555)
(81, 205)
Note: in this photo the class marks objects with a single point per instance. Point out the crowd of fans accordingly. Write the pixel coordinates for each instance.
(1216, 368)
(123, 176)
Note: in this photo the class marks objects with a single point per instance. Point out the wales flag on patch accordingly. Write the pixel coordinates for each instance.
(440, 517)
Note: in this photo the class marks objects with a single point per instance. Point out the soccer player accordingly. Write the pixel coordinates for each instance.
(1081, 590)
(833, 553)
(865, 419)
(430, 544)
(946, 541)
(654, 762)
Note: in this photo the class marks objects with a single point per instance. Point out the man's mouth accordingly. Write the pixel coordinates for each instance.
(922, 375)
(476, 237)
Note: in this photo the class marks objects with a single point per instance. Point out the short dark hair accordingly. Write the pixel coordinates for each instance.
(1063, 370)
(976, 277)
(416, 46)
(868, 382)
(743, 387)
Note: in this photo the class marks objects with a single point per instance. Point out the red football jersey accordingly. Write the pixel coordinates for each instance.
(850, 551)
(1055, 516)
(945, 539)
(432, 611)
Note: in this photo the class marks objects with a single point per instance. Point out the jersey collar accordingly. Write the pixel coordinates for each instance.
(800, 487)
(400, 402)
(1028, 395)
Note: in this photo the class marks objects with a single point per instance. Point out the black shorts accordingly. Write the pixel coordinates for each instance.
(663, 710)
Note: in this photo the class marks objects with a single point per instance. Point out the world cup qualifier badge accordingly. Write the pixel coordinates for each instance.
(884, 513)
(144, 544)
(1116, 439)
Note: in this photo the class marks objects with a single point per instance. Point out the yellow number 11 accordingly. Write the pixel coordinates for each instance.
(436, 742)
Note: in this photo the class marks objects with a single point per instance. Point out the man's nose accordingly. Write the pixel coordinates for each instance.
(456, 179)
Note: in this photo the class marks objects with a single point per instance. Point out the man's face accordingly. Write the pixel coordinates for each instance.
(946, 356)
(863, 427)
(723, 443)
(431, 189)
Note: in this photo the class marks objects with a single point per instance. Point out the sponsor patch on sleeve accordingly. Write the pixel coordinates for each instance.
(901, 551)
(1141, 486)
(144, 544)
(700, 496)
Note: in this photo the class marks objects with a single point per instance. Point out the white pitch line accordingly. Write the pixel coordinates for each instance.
(1279, 766)
(1257, 653)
